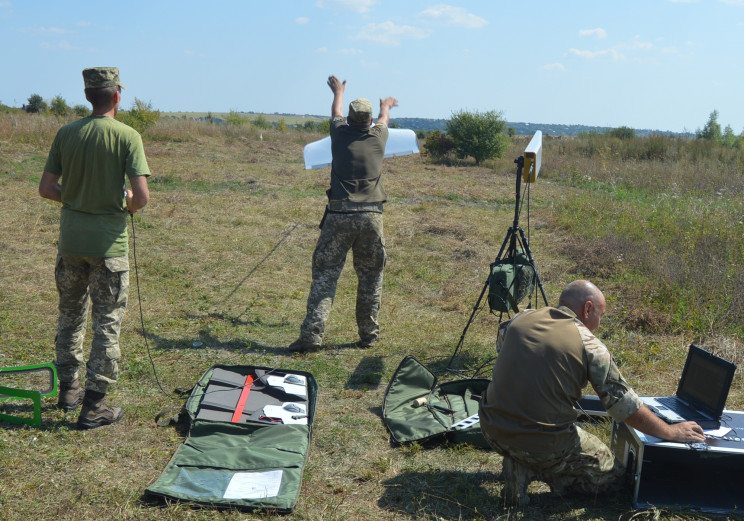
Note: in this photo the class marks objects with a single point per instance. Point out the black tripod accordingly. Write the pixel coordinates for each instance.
(514, 240)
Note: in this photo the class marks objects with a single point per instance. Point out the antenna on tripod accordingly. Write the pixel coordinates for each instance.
(513, 274)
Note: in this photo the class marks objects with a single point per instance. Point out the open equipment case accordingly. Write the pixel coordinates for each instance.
(250, 430)
(416, 407)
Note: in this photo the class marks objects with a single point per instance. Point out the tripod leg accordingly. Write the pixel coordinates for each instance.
(470, 321)
(509, 235)
(527, 250)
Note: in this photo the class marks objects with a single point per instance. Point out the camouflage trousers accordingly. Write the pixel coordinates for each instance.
(588, 468)
(362, 233)
(104, 283)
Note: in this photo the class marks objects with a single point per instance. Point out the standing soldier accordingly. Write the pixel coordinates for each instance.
(86, 171)
(353, 219)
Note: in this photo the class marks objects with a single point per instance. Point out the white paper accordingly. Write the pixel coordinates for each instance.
(401, 142)
(718, 433)
(254, 485)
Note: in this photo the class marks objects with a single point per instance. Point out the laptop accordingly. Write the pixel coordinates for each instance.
(701, 393)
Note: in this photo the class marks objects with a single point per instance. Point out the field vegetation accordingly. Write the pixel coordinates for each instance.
(223, 256)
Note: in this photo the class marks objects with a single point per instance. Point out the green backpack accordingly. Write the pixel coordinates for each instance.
(511, 280)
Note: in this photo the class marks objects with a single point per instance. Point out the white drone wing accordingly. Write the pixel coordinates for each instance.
(401, 142)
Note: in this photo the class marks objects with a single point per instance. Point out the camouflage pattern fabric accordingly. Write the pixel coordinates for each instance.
(362, 233)
(105, 283)
(588, 468)
(618, 398)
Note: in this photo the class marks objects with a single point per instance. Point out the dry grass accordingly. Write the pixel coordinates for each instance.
(224, 251)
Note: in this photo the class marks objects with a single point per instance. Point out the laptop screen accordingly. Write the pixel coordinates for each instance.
(706, 380)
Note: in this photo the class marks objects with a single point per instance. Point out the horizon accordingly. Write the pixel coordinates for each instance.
(660, 64)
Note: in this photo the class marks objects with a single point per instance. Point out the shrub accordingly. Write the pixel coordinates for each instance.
(36, 104)
(260, 121)
(233, 118)
(622, 133)
(481, 135)
(438, 145)
(59, 106)
(712, 129)
(140, 117)
(324, 127)
(81, 110)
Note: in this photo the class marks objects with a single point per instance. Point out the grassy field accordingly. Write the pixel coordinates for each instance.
(223, 253)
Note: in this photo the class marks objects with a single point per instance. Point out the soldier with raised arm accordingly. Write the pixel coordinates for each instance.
(353, 220)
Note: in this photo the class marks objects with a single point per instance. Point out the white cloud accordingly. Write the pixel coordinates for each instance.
(62, 45)
(358, 6)
(321, 49)
(553, 67)
(591, 55)
(390, 34)
(46, 31)
(302, 20)
(598, 33)
(456, 16)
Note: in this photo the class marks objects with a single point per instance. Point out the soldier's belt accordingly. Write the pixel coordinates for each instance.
(350, 206)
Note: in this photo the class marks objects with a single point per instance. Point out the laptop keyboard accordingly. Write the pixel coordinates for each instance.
(671, 402)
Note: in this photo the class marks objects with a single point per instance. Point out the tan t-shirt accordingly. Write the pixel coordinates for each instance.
(546, 357)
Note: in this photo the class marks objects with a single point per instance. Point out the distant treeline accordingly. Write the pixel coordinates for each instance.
(549, 129)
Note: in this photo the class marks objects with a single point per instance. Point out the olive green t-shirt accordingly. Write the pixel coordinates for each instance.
(92, 156)
(356, 170)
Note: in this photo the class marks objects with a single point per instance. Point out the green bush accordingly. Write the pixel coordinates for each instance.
(36, 104)
(622, 133)
(480, 135)
(324, 127)
(140, 117)
(81, 110)
(59, 106)
(438, 146)
(233, 118)
(260, 121)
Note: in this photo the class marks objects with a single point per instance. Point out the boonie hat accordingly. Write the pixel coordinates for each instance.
(360, 110)
(100, 77)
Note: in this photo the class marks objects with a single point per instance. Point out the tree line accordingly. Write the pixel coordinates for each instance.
(478, 135)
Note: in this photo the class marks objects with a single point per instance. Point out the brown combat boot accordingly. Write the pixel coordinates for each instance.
(70, 395)
(303, 346)
(95, 411)
(517, 477)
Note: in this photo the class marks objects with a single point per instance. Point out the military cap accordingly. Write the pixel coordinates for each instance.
(360, 110)
(100, 77)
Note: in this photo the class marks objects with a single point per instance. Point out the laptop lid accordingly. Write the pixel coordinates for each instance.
(705, 381)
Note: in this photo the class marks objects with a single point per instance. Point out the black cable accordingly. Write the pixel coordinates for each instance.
(287, 234)
(142, 318)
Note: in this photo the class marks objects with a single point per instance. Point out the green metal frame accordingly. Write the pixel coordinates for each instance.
(11, 393)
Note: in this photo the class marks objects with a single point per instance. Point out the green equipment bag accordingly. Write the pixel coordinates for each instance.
(249, 437)
(511, 280)
(416, 408)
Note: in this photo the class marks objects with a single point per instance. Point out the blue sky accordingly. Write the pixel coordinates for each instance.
(659, 64)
